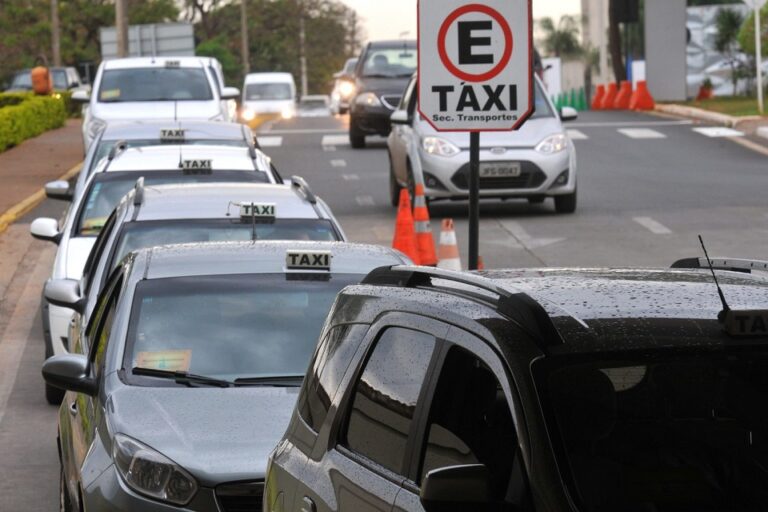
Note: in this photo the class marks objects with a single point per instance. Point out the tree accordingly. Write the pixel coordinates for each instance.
(747, 33)
(728, 24)
(561, 40)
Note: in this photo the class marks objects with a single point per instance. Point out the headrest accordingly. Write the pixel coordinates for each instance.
(585, 403)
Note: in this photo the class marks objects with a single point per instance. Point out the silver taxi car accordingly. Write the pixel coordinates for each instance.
(189, 371)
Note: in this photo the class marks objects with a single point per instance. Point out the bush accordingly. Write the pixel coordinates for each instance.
(29, 118)
(9, 99)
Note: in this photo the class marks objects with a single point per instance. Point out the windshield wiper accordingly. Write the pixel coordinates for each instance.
(185, 378)
(288, 381)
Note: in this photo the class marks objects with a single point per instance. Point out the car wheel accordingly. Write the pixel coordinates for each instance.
(394, 186)
(356, 137)
(53, 395)
(65, 503)
(566, 203)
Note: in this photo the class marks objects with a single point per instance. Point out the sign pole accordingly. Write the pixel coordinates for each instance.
(759, 60)
(474, 199)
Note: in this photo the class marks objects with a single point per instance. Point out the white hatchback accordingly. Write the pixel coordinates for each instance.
(145, 88)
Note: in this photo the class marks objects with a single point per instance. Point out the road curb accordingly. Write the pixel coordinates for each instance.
(702, 115)
(22, 208)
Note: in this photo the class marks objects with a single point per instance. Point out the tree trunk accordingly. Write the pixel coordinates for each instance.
(614, 42)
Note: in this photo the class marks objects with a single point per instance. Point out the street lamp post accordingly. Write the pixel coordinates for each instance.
(121, 28)
(55, 33)
(757, 5)
(245, 49)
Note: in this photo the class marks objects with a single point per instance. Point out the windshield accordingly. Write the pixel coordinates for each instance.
(138, 235)
(673, 434)
(268, 92)
(541, 104)
(390, 62)
(22, 80)
(107, 189)
(230, 327)
(154, 84)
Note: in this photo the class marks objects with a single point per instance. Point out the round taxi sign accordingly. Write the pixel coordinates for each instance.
(475, 64)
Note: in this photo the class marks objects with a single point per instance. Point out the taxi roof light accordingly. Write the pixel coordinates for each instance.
(308, 260)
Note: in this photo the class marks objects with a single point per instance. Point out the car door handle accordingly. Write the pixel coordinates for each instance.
(73, 408)
(307, 505)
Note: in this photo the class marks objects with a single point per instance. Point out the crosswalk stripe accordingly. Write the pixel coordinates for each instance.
(653, 226)
(350, 177)
(577, 135)
(335, 140)
(338, 163)
(365, 200)
(270, 142)
(718, 131)
(642, 133)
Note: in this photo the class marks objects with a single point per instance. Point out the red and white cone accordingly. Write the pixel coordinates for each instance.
(448, 252)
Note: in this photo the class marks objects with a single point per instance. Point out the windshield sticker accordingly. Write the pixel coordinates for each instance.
(93, 226)
(170, 360)
(110, 94)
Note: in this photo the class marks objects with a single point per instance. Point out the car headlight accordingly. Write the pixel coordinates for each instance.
(248, 114)
(287, 113)
(440, 147)
(553, 144)
(150, 473)
(346, 89)
(95, 125)
(368, 99)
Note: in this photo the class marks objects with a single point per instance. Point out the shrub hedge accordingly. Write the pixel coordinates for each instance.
(28, 117)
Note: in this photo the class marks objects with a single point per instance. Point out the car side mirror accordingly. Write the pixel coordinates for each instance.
(64, 293)
(568, 114)
(81, 96)
(457, 488)
(230, 93)
(58, 190)
(45, 229)
(70, 372)
(400, 117)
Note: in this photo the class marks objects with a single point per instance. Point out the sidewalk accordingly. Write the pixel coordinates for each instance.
(25, 169)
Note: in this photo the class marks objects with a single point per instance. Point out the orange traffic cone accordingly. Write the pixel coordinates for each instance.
(597, 101)
(405, 234)
(610, 97)
(448, 252)
(642, 99)
(624, 96)
(425, 243)
(480, 263)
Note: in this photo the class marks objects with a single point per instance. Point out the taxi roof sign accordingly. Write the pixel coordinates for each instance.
(196, 166)
(172, 135)
(308, 260)
(257, 210)
(747, 323)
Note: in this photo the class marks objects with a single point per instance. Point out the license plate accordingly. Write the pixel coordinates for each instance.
(500, 170)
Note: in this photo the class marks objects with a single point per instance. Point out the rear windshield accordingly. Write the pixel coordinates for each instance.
(673, 434)
(107, 189)
(154, 84)
(139, 235)
(268, 92)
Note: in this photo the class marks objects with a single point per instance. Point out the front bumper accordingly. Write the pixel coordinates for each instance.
(370, 120)
(448, 177)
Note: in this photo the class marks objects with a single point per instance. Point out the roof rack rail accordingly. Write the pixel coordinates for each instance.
(117, 148)
(731, 264)
(138, 194)
(526, 311)
(303, 186)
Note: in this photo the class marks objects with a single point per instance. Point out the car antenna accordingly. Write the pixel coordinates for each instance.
(181, 159)
(175, 110)
(726, 308)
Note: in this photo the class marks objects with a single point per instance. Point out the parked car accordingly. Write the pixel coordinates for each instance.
(64, 79)
(381, 76)
(343, 87)
(536, 162)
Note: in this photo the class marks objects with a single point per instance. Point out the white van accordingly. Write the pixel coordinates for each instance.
(268, 94)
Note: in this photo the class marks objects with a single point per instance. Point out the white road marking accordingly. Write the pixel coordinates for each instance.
(339, 163)
(577, 135)
(365, 200)
(653, 226)
(302, 131)
(642, 133)
(719, 131)
(628, 124)
(526, 240)
(350, 177)
(270, 142)
(329, 148)
(335, 140)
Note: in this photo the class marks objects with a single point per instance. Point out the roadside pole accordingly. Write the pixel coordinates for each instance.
(55, 33)
(121, 28)
(245, 47)
(474, 200)
(759, 55)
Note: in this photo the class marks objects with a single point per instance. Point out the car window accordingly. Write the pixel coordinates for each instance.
(541, 105)
(59, 77)
(406, 99)
(470, 422)
(386, 396)
(268, 92)
(398, 62)
(99, 331)
(154, 84)
(326, 371)
(95, 255)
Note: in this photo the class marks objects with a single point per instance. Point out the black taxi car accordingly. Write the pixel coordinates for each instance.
(546, 390)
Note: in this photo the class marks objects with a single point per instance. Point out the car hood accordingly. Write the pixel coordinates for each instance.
(78, 249)
(186, 110)
(382, 86)
(529, 136)
(218, 435)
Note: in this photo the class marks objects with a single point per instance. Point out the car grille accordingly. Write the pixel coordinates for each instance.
(240, 497)
(531, 176)
(391, 101)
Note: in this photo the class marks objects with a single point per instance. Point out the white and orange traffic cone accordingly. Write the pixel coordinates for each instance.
(405, 233)
(425, 243)
(448, 252)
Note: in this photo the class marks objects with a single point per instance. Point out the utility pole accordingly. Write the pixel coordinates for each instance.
(303, 54)
(245, 48)
(55, 33)
(759, 60)
(121, 28)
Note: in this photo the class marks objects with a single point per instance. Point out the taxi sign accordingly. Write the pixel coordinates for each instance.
(747, 323)
(257, 210)
(173, 63)
(475, 64)
(196, 166)
(308, 260)
(172, 135)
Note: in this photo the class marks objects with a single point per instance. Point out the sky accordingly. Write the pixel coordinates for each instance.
(388, 19)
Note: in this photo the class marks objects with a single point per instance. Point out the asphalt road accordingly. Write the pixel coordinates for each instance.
(648, 186)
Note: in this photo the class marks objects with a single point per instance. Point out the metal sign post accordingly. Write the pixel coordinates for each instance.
(757, 5)
(475, 74)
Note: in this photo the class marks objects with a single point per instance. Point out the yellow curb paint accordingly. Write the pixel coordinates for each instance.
(20, 209)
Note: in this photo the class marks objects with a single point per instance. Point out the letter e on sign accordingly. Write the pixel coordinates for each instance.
(475, 64)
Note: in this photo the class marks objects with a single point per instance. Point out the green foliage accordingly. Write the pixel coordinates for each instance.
(30, 118)
(10, 99)
(728, 24)
(561, 40)
(747, 33)
(217, 48)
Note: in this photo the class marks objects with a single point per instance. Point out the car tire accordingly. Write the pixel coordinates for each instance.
(566, 203)
(356, 137)
(394, 187)
(65, 502)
